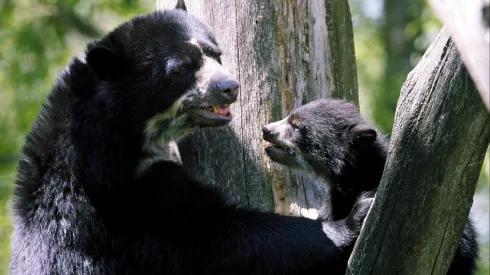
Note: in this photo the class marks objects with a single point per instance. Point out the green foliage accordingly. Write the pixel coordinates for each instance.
(5, 217)
(483, 265)
(38, 38)
(481, 204)
(387, 48)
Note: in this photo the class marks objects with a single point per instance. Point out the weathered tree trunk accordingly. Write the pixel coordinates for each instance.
(441, 132)
(285, 53)
(468, 22)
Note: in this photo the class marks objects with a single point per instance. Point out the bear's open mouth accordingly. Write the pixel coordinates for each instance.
(211, 116)
(280, 154)
(275, 145)
(220, 110)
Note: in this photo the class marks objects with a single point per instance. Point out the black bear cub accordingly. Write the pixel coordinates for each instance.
(330, 139)
(101, 188)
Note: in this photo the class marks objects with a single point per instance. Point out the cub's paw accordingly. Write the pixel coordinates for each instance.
(359, 211)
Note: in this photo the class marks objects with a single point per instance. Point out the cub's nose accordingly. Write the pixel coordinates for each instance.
(266, 131)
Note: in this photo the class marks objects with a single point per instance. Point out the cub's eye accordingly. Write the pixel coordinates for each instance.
(181, 70)
(295, 124)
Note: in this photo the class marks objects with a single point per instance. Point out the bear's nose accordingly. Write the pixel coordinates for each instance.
(228, 86)
(265, 130)
(225, 88)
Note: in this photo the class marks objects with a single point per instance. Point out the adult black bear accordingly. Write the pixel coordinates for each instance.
(100, 189)
(330, 138)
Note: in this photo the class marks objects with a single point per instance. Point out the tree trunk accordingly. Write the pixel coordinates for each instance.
(441, 132)
(285, 53)
(468, 22)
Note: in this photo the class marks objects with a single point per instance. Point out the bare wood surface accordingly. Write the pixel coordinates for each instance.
(468, 22)
(439, 139)
(285, 54)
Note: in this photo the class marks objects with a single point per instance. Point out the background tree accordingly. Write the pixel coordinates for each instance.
(400, 28)
(390, 38)
(285, 54)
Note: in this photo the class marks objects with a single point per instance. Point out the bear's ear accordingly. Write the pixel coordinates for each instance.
(104, 62)
(364, 135)
(181, 5)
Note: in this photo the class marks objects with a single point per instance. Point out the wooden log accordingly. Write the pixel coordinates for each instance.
(468, 22)
(439, 139)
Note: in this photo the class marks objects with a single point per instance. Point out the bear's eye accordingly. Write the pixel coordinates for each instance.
(177, 66)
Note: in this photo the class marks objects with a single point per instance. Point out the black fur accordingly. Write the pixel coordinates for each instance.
(82, 206)
(330, 138)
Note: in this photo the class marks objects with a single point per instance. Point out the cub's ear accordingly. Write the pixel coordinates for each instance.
(105, 63)
(364, 135)
(181, 5)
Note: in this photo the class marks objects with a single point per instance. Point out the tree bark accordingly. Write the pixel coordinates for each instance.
(441, 132)
(468, 22)
(285, 54)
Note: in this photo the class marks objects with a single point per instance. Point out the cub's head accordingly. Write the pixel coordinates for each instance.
(324, 136)
(164, 69)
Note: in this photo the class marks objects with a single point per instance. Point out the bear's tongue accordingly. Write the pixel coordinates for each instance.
(221, 110)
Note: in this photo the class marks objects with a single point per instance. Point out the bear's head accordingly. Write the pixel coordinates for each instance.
(165, 69)
(326, 137)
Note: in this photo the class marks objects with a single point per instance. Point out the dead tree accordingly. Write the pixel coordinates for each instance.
(439, 139)
(285, 53)
(468, 22)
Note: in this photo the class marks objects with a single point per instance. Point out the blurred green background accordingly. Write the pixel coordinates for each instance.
(38, 38)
